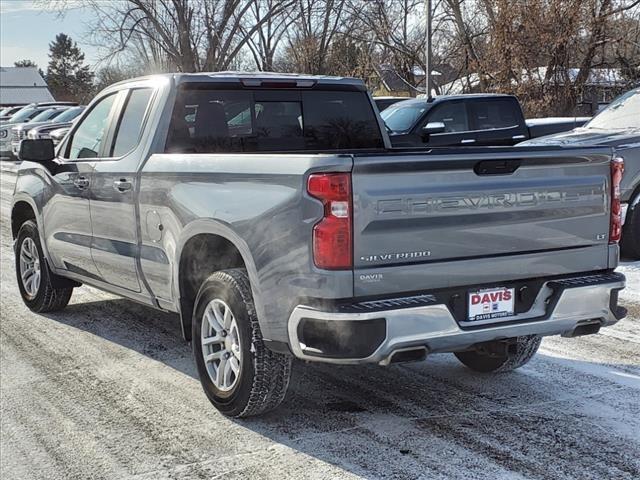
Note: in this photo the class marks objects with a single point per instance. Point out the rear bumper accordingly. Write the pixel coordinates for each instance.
(373, 332)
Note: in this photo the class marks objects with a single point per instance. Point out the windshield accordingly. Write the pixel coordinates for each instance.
(24, 115)
(46, 115)
(69, 114)
(622, 113)
(402, 116)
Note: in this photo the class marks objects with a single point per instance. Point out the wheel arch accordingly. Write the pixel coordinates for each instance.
(25, 208)
(634, 198)
(21, 211)
(205, 247)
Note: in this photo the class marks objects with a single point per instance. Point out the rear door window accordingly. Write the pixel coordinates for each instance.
(209, 120)
(493, 114)
(131, 121)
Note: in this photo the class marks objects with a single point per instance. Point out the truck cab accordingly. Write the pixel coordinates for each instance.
(466, 120)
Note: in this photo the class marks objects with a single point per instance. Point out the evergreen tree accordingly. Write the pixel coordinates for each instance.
(28, 63)
(67, 76)
(25, 63)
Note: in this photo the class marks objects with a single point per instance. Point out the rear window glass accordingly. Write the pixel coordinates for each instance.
(208, 121)
(491, 114)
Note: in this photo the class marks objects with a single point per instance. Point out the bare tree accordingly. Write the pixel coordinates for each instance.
(267, 38)
(184, 35)
(543, 51)
(310, 36)
(396, 30)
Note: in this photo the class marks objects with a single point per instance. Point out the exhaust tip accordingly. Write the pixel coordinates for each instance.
(408, 355)
(588, 328)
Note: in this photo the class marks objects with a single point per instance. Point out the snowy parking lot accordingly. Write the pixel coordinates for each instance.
(107, 389)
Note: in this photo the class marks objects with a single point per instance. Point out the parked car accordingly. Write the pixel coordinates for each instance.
(271, 212)
(616, 126)
(64, 120)
(385, 102)
(466, 120)
(58, 135)
(19, 130)
(7, 112)
(23, 115)
(26, 111)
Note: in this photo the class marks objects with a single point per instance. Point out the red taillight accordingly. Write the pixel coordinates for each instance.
(615, 231)
(332, 244)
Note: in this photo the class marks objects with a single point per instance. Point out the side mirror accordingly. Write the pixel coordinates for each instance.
(433, 127)
(38, 151)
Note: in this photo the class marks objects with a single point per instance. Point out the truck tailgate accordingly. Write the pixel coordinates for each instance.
(438, 219)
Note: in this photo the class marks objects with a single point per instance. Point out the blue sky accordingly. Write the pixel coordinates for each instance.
(26, 31)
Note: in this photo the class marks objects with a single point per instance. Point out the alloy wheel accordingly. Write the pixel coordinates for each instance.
(221, 348)
(30, 273)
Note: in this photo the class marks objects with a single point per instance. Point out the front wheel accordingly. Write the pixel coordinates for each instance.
(500, 357)
(35, 279)
(239, 374)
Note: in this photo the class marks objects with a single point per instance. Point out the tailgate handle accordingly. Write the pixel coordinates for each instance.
(496, 167)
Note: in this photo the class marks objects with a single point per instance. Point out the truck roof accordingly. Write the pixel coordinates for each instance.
(252, 78)
(459, 96)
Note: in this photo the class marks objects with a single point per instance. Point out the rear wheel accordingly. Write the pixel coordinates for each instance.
(501, 356)
(239, 374)
(630, 241)
(35, 280)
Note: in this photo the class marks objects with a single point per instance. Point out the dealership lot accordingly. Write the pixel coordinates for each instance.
(107, 389)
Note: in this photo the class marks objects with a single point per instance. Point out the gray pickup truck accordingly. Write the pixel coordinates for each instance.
(270, 212)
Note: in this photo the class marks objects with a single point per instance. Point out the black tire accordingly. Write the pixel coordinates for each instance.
(264, 375)
(630, 241)
(517, 355)
(49, 298)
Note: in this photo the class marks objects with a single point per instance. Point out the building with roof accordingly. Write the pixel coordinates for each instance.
(22, 85)
(392, 83)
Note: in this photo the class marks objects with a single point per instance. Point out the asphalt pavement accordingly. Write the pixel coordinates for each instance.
(107, 389)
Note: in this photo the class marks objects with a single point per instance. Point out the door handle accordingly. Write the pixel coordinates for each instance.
(81, 182)
(122, 185)
(468, 141)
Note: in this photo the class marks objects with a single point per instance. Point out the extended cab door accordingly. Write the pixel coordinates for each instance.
(113, 202)
(67, 220)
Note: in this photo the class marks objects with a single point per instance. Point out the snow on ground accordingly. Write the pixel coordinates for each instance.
(632, 271)
(107, 389)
